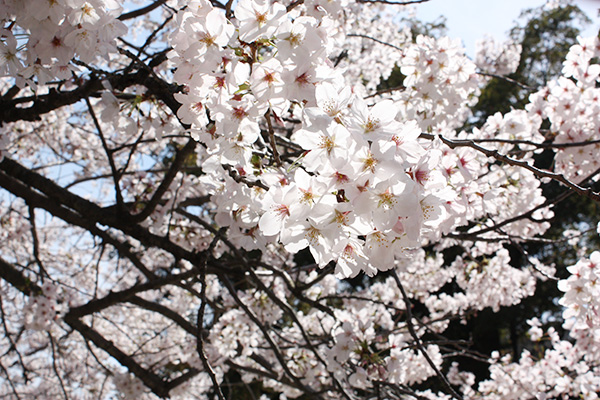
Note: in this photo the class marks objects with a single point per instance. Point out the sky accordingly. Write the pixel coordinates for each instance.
(470, 20)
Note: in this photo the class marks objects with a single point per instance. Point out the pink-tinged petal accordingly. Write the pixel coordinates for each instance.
(272, 221)
(384, 111)
(306, 139)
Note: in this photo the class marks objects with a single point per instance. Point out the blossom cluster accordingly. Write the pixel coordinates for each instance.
(562, 371)
(41, 310)
(39, 39)
(581, 299)
(294, 156)
(497, 58)
(440, 83)
(364, 184)
(571, 104)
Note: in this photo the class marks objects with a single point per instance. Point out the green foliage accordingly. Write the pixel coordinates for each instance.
(545, 37)
(435, 29)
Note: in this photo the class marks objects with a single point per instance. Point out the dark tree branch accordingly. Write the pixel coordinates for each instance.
(151, 380)
(9, 112)
(294, 4)
(453, 143)
(176, 166)
(16, 278)
(411, 330)
(164, 311)
(200, 323)
(272, 138)
(374, 39)
(113, 298)
(36, 244)
(507, 79)
(142, 11)
(267, 336)
(397, 3)
(109, 154)
(228, 9)
(55, 99)
(55, 367)
(71, 208)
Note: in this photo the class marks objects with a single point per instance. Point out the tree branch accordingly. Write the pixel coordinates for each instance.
(115, 174)
(200, 323)
(272, 138)
(411, 330)
(141, 11)
(396, 3)
(453, 143)
(178, 162)
(374, 39)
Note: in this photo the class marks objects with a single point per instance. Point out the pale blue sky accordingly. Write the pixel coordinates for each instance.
(471, 19)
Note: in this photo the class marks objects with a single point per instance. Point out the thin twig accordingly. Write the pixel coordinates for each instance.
(411, 330)
(141, 11)
(294, 5)
(200, 323)
(545, 145)
(113, 169)
(55, 368)
(396, 3)
(228, 9)
(401, 390)
(178, 163)
(12, 385)
(288, 310)
(13, 344)
(241, 179)
(131, 153)
(453, 143)
(267, 336)
(373, 39)
(272, 138)
(36, 244)
(154, 33)
(384, 91)
(507, 79)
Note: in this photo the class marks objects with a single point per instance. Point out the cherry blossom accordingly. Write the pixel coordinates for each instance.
(200, 197)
